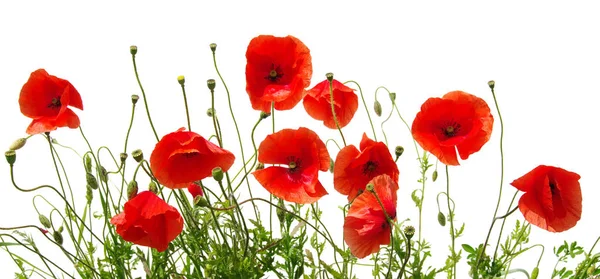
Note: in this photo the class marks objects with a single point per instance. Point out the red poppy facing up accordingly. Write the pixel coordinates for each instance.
(278, 70)
(148, 221)
(318, 103)
(182, 157)
(46, 99)
(304, 154)
(552, 199)
(353, 169)
(366, 227)
(457, 121)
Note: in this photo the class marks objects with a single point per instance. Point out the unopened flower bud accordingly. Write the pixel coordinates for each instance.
(217, 174)
(280, 212)
(409, 232)
(441, 219)
(399, 150)
(18, 144)
(11, 156)
(331, 165)
(134, 98)
(91, 180)
(213, 47)
(590, 271)
(133, 50)
(434, 175)
(123, 157)
(61, 229)
(264, 115)
(370, 187)
(211, 84)
(393, 97)
(87, 162)
(329, 77)
(137, 155)
(89, 194)
(535, 272)
(103, 174)
(181, 80)
(260, 166)
(491, 84)
(45, 221)
(210, 112)
(132, 189)
(152, 187)
(377, 108)
(200, 201)
(57, 237)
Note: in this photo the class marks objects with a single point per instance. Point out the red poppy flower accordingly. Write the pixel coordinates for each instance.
(552, 199)
(148, 221)
(457, 121)
(278, 70)
(46, 99)
(353, 169)
(195, 190)
(304, 154)
(366, 227)
(182, 157)
(318, 103)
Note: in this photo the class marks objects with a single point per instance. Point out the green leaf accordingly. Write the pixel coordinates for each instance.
(468, 248)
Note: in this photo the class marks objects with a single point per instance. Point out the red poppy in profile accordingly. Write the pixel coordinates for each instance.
(318, 103)
(457, 121)
(46, 99)
(353, 169)
(278, 70)
(182, 157)
(552, 199)
(304, 154)
(195, 190)
(148, 221)
(366, 227)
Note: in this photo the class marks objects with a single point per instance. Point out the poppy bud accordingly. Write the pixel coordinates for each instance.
(210, 112)
(370, 187)
(399, 150)
(89, 195)
(11, 156)
(103, 174)
(87, 162)
(331, 164)
(152, 187)
(590, 270)
(377, 108)
(535, 272)
(217, 174)
(211, 84)
(213, 47)
(441, 219)
(409, 232)
(18, 144)
(434, 175)
(280, 212)
(181, 80)
(393, 97)
(200, 201)
(138, 155)
(132, 189)
(91, 180)
(134, 98)
(45, 221)
(491, 84)
(61, 229)
(123, 157)
(57, 237)
(54, 141)
(260, 166)
(264, 115)
(133, 50)
(329, 77)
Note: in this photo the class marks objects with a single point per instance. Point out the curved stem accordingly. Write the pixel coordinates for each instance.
(366, 108)
(143, 95)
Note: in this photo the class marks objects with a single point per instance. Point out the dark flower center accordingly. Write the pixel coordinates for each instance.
(369, 168)
(275, 74)
(552, 188)
(451, 129)
(191, 155)
(294, 164)
(55, 103)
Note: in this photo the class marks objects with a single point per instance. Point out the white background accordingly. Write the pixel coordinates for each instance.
(543, 56)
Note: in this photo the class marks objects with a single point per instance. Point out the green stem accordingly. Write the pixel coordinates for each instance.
(187, 111)
(331, 101)
(366, 108)
(451, 213)
(143, 95)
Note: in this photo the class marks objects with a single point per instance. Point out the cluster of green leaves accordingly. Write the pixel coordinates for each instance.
(586, 269)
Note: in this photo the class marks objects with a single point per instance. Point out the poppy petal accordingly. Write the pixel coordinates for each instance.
(293, 188)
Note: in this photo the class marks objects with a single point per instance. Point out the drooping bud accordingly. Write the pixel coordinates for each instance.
(329, 77)
(134, 98)
(61, 229)
(393, 97)
(264, 115)
(132, 189)
(260, 166)
(217, 174)
(441, 219)
(133, 50)
(409, 232)
(434, 175)
(213, 47)
(152, 187)
(123, 157)
(491, 84)
(87, 159)
(103, 174)
(18, 144)
(58, 238)
(211, 84)
(331, 165)
(11, 157)
(399, 150)
(91, 180)
(210, 112)
(137, 155)
(45, 221)
(200, 201)
(377, 108)
(535, 272)
(181, 80)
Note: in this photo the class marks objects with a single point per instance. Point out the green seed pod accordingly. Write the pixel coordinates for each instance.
(211, 84)
(329, 77)
(91, 180)
(200, 201)
(409, 231)
(377, 108)
(441, 219)
(133, 50)
(137, 155)
(123, 157)
(393, 97)
(11, 157)
(134, 99)
(370, 187)
(260, 166)
(264, 115)
(181, 80)
(213, 47)
(45, 221)
(217, 174)
(399, 150)
(491, 84)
